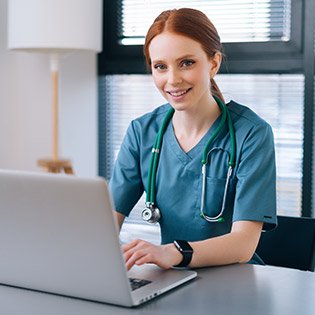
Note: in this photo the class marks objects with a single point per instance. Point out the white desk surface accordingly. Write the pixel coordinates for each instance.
(236, 289)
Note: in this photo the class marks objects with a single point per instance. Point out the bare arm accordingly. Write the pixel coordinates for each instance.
(120, 219)
(238, 246)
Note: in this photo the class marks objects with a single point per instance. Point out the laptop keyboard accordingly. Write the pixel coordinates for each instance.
(138, 283)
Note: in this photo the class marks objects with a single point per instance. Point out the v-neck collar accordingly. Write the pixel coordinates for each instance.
(196, 151)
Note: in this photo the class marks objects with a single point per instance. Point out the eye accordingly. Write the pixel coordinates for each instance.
(159, 66)
(187, 63)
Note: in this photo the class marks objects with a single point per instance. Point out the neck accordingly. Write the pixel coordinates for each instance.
(196, 120)
(190, 126)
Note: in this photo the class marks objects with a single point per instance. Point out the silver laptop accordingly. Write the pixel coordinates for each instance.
(58, 234)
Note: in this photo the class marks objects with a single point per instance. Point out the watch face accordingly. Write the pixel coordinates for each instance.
(183, 246)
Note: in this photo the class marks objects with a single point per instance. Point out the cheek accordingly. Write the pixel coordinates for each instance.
(199, 78)
(158, 81)
(204, 80)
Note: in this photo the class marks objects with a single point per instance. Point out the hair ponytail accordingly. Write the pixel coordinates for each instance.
(215, 90)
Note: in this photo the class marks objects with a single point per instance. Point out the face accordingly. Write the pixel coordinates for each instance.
(181, 70)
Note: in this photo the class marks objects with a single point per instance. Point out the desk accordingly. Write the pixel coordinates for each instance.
(235, 289)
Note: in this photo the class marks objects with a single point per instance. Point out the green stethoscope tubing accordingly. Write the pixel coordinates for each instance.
(225, 118)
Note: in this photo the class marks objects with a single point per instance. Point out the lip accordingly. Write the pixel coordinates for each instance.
(178, 94)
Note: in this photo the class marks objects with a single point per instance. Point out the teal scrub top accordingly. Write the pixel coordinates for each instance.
(251, 192)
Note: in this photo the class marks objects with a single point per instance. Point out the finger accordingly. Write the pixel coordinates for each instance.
(136, 250)
(127, 256)
(132, 244)
(141, 255)
(139, 262)
(146, 259)
(126, 247)
(132, 248)
(130, 262)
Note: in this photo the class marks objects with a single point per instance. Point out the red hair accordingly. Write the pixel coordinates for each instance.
(190, 23)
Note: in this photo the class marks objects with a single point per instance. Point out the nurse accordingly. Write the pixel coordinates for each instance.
(184, 52)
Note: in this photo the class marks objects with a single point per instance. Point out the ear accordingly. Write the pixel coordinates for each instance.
(216, 63)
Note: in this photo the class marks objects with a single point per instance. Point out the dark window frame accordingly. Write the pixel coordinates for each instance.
(245, 57)
(294, 56)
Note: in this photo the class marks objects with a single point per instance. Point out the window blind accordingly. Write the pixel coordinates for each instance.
(235, 20)
(277, 98)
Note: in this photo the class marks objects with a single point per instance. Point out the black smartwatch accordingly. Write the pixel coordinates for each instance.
(186, 250)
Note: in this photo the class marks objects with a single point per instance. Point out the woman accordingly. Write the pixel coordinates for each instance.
(183, 51)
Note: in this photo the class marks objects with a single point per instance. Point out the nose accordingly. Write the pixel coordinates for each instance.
(174, 77)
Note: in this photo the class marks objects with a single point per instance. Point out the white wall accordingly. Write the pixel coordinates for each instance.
(25, 108)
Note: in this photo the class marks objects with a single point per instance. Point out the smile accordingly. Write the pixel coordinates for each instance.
(178, 93)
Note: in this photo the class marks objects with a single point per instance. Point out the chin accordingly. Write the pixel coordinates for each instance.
(180, 106)
(177, 107)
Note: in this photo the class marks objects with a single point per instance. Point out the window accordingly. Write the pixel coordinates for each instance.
(236, 21)
(269, 67)
(258, 36)
(281, 106)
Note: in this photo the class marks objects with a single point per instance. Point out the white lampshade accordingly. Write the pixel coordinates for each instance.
(55, 25)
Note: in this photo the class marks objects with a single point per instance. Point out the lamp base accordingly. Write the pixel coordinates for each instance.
(56, 166)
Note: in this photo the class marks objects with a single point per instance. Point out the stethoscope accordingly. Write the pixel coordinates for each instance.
(151, 213)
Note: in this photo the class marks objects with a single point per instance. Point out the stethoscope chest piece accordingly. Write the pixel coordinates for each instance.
(151, 214)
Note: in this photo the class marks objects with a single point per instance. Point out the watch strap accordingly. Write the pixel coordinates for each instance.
(186, 251)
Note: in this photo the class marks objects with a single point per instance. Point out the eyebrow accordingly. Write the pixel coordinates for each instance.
(178, 59)
(185, 57)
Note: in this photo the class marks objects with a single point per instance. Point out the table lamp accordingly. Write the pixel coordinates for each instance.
(56, 27)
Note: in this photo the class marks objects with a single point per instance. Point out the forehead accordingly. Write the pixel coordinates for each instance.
(169, 46)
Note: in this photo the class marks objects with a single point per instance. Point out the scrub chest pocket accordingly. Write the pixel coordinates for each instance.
(216, 184)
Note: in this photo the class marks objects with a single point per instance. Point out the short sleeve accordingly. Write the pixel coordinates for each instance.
(125, 184)
(255, 198)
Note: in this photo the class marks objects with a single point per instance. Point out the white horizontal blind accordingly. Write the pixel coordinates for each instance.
(235, 20)
(277, 98)
(123, 97)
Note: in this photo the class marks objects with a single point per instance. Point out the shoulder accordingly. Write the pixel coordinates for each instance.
(151, 120)
(157, 113)
(246, 120)
(251, 130)
(145, 127)
(244, 113)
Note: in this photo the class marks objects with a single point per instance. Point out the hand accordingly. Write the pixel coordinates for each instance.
(140, 252)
